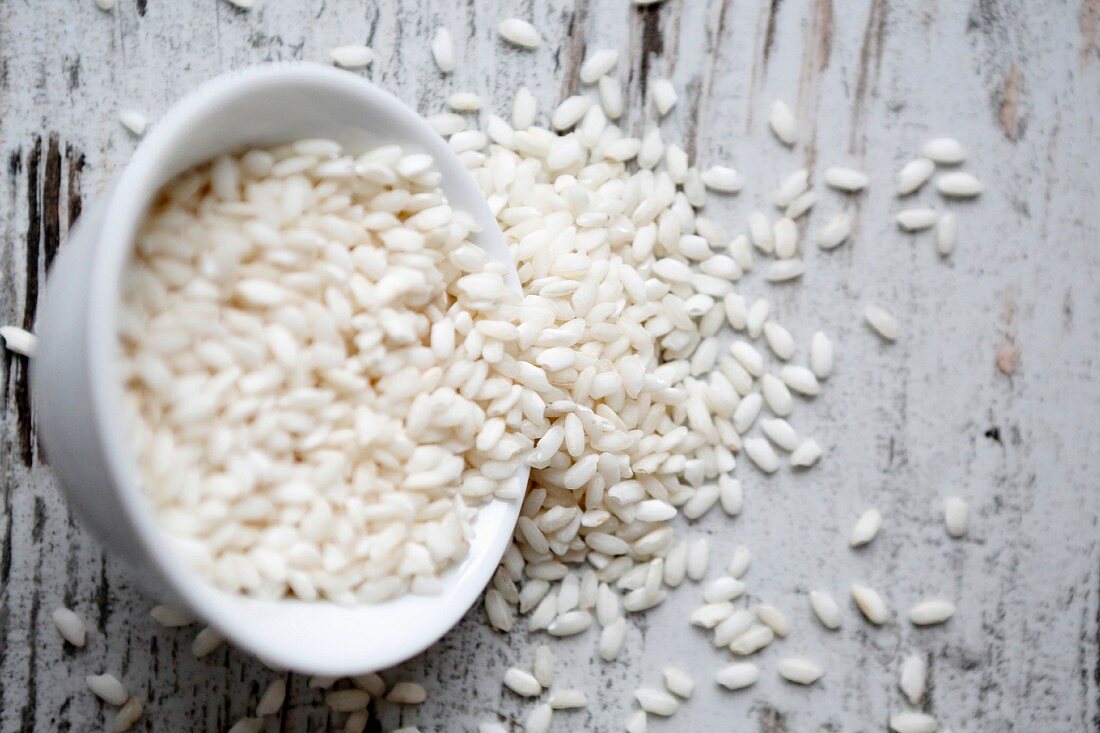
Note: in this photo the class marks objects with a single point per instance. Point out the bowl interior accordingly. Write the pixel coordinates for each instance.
(260, 106)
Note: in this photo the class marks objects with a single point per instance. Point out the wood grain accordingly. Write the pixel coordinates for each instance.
(991, 392)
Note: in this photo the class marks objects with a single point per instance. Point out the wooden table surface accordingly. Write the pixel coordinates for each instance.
(992, 391)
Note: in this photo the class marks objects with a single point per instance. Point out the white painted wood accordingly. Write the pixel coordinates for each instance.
(990, 393)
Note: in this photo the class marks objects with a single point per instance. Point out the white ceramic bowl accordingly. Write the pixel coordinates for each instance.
(78, 393)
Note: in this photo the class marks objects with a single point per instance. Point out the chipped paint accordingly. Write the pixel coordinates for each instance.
(1010, 103)
(1088, 21)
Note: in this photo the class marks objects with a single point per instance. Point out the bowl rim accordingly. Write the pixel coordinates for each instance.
(132, 193)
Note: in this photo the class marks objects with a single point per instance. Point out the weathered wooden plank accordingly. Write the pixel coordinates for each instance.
(990, 392)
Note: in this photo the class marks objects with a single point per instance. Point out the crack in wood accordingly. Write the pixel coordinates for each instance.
(870, 55)
(24, 415)
(769, 30)
(575, 49)
(75, 160)
(42, 243)
(51, 202)
(705, 89)
(653, 43)
(816, 51)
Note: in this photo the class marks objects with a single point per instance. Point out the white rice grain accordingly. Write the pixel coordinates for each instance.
(611, 96)
(784, 270)
(956, 514)
(800, 670)
(466, 102)
(866, 528)
(755, 319)
(611, 640)
(598, 63)
(807, 453)
(747, 411)
(539, 719)
(372, 682)
(944, 150)
(206, 641)
(71, 626)
(761, 231)
(353, 56)
(543, 666)
(407, 693)
(133, 120)
(569, 112)
(800, 379)
(756, 638)
(916, 220)
(701, 502)
(730, 495)
(569, 624)
(519, 33)
(883, 323)
(801, 205)
(170, 617)
(913, 722)
(761, 454)
(846, 179)
(522, 683)
(443, 50)
(733, 626)
(791, 187)
(663, 94)
(738, 676)
(656, 702)
(870, 603)
(129, 714)
(912, 676)
(774, 619)
(698, 558)
(271, 701)
(947, 233)
(783, 123)
(914, 174)
(929, 613)
(780, 432)
(498, 611)
(835, 232)
(725, 588)
(722, 179)
(347, 701)
(958, 184)
(710, 615)
(566, 699)
(739, 561)
(108, 688)
(826, 609)
(524, 109)
(678, 682)
(821, 355)
(777, 395)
